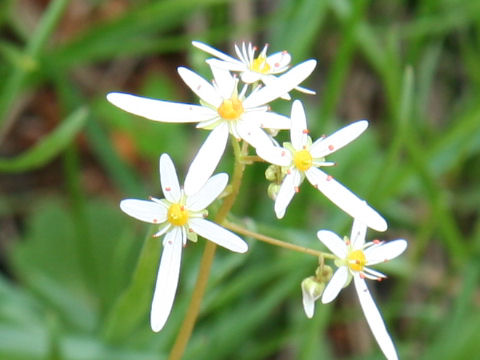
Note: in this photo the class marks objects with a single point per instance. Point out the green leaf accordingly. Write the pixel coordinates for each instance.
(49, 147)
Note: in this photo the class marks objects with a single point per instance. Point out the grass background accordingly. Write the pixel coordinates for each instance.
(70, 287)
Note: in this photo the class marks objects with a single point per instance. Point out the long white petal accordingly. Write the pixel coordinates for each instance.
(357, 236)
(374, 319)
(335, 285)
(143, 210)
(333, 242)
(345, 199)
(206, 160)
(282, 85)
(167, 279)
(325, 146)
(158, 110)
(169, 179)
(224, 65)
(385, 252)
(275, 155)
(209, 192)
(268, 120)
(285, 195)
(299, 131)
(253, 135)
(249, 76)
(212, 51)
(218, 235)
(224, 80)
(200, 86)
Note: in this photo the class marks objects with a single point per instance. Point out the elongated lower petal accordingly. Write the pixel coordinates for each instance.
(333, 242)
(325, 146)
(209, 192)
(212, 51)
(218, 235)
(335, 285)
(253, 135)
(206, 160)
(285, 195)
(158, 110)
(374, 319)
(275, 155)
(357, 236)
(345, 199)
(144, 210)
(167, 279)
(385, 252)
(169, 179)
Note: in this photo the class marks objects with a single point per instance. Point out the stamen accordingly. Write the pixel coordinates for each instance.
(305, 131)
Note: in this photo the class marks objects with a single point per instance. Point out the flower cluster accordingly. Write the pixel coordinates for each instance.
(236, 103)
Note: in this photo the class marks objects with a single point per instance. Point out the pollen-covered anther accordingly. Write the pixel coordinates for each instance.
(230, 109)
(376, 241)
(297, 189)
(305, 131)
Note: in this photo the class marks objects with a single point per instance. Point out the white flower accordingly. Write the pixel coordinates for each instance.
(180, 216)
(354, 258)
(302, 159)
(222, 110)
(252, 69)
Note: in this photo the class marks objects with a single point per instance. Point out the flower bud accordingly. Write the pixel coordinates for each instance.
(273, 190)
(312, 289)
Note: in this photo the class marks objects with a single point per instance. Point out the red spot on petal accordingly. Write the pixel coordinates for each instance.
(376, 241)
(168, 188)
(297, 189)
(329, 177)
(331, 147)
(362, 276)
(170, 242)
(199, 87)
(155, 221)
(276, 64)
(283, 153)
(347, 242)
(306, 131)
(289, 171)
(380, 279)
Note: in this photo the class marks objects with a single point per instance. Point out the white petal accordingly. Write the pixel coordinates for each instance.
(308, 303)
(305, 90)
(209, 192)
(279, 62)
(345, 199)
(158, 110)
(218, 235)
(324, 146)
(335, 285)
(200, 86)
(249, 77)
(268, 120)
(333, 242)
(214, 52)
(224, 81)
(253, 135)
(224, 65)
(374, 319)
(299, 131)
(143, 210)
(282, 85)
(385, 252)
(206, 160)
(359, 231)
(285, 195)
(169, 179)
(167, 279)
(275, 155)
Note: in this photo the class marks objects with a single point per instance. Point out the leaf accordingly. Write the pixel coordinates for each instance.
(49, 147)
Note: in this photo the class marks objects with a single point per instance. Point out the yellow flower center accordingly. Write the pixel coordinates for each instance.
(260, 65)
(356, 260)
(230, 109)
(302, 160)
(177, 215)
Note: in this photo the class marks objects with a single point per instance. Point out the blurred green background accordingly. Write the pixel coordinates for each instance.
(69, 285)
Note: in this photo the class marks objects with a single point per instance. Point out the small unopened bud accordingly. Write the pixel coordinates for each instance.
(324, 273)
(312, 289)
(272, 173)
(273, 190)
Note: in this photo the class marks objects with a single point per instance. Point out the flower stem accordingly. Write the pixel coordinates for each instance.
(276, 242)
(207, 258)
